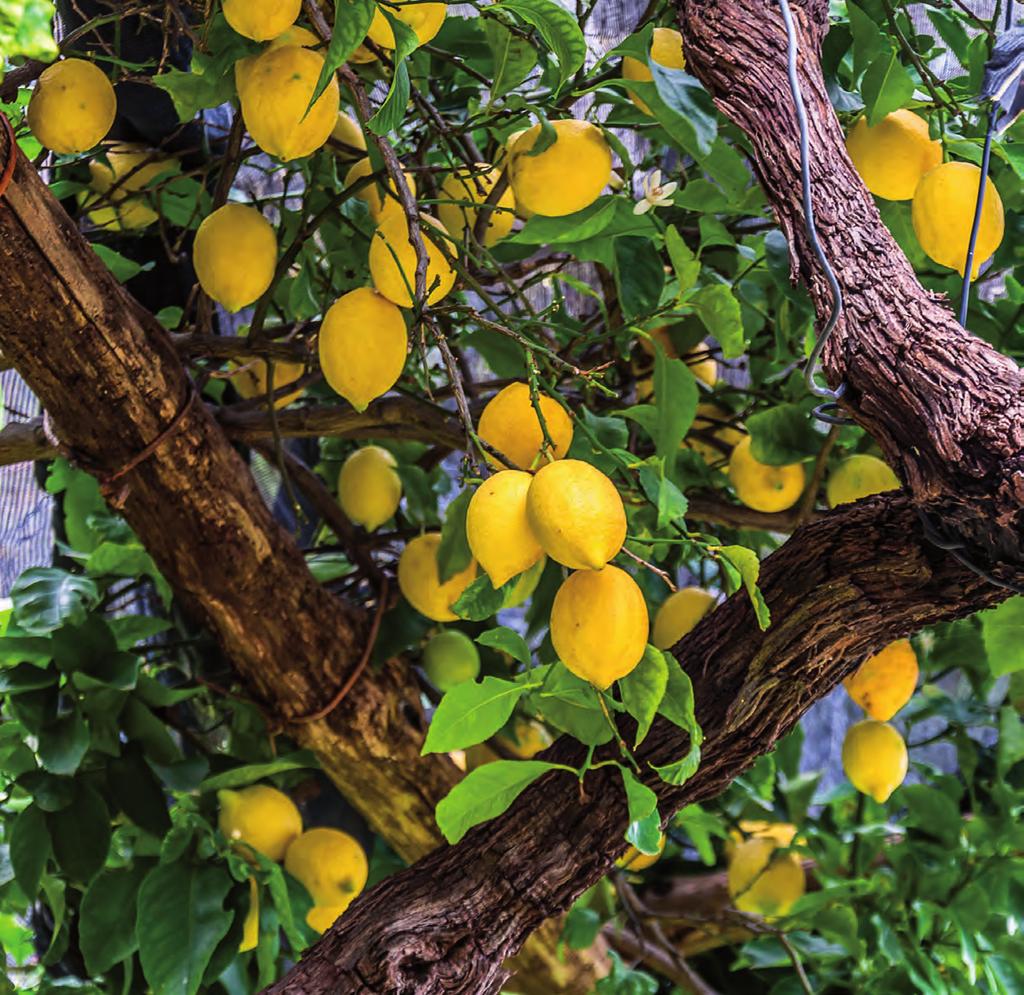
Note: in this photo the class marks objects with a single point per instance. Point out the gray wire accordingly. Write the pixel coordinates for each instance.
(812, 231)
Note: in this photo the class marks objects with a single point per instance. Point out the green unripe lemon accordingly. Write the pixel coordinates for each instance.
(451, 658)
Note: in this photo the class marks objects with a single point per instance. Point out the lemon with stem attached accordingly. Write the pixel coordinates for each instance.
(511, 425)
(393, 260)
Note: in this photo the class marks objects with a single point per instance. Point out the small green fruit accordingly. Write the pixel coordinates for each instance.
(451, 658)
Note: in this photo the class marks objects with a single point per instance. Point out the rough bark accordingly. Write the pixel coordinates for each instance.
(949, 413)
(111, 382)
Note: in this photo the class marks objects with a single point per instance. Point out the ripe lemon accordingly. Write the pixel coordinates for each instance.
(526, 585)
(274, 96)
(781, 833)
(567, 176)
(363, 344)
(874, 758)
(333, 868)
(498, 529)
(119, 200)
(381, 206)
(763, 487)
(475, 187)
(893, 155)
(510, 424)
(348, 132)
(260, 817)
(296, 35)
(424, 18)
(666, 50)
(635, 861)
(883, 683)
(679, 614)
(393, 261)
(762, 880)
(251, 926)
(857, 477)
(599, 624)
(526, 738)
(419, 582)
(251, 380)
(72, 107)
(451, 658)
(369, 489)
(261, 20)
(235, 255)
(943, 211)
(577, 514)
(711, 418)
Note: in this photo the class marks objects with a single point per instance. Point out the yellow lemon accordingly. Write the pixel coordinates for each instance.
(261, 20)
(330, 864)
(369, 489)
(348, 132)
(235, 255)
(893, 155)
(857, 477)
(451, 658)
(323, 917)
(763, 881)
(420, 583)
(393, 261)
(678, 614)
(525, 586)
(884, 683)
(874, 758)
(474, 187)
(666, 50)
(781, 833)
(424, 18)
(72, 107)
(381, 205)
(943, 211)
(716, 421)
(599, 624)
(296, 35)
(497, 527)
(763, 487)
(576, 514)
(275, 94)
(251, 926)
(510, 424)
(635, 861)
(363, 344)
(526, 738)
(118, 199)
(260, 817)
(567, 176)
(251, 380)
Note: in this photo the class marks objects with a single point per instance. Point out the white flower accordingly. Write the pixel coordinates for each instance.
(655, 194)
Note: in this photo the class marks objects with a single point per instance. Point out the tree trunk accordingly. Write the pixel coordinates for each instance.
(949, 413)
(123, 407)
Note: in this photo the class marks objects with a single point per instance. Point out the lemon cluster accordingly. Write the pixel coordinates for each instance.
(329, 863)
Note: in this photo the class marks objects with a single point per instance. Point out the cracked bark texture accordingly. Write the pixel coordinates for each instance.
(111, 382)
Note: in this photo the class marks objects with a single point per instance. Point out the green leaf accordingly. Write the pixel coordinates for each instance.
(644, 830)
(81, 834)
(643, 689)
(581, 927)
(135, 790)
(684, 262)
(678, 707)
(639, 274)
(470, 713)
(352, 20)
(45, 598)
(453, 553)
(30, 846)
(106, 921)
(1010, 748)
(480, 600)
(570, 704)
(122, 267)
(570, 228)
(719, 310)
(239, 777)
(33, 650)
(558, 28)
(514, 57)
(887, 86)
(507, 640)
(1002, 631)
(684, 108)
(748, 566)
(670, 501)
(63, 744)
(783, 434)
(26, 29)
(675, 399)
(487, 792)
(931, 811)
(180, 920)
(130, 630)
(392, 112)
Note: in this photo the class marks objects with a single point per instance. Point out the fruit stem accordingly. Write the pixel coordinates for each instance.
(615, 731)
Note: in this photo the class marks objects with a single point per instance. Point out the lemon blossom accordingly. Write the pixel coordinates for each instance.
(656, 194)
